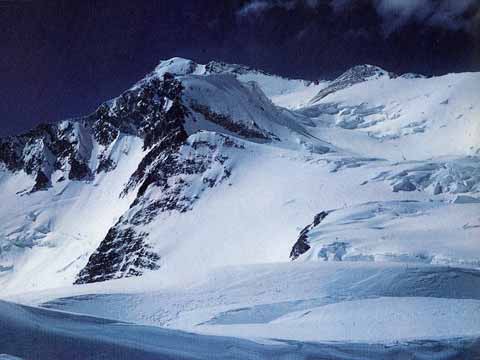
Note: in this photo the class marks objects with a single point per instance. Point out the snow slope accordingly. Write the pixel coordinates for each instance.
(387, 318)
(310, 301)
(32, 333)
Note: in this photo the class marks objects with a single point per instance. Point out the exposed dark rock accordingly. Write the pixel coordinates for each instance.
(148, 111)
(254, 132)
(155, 112)
(105, 165)
(42, 182)
(46, 148)
(78, 170)
(104, 132)
(158, 116)
(163, 155)
(301, 246)
(121, 253)
(10, 153)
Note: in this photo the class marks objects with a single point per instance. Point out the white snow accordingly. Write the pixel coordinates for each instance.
(399, 231)
(369, 320)
(326, 301)
(28, 333)
(413, 119)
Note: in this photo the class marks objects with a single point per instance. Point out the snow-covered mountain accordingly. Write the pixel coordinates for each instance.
(197, 168)
(154, 150)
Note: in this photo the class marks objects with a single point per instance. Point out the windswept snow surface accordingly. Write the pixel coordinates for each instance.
(371, 188)
(403, 307)
(32, 333)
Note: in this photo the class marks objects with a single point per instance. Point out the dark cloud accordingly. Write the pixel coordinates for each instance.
(449, 14)
(257, 7)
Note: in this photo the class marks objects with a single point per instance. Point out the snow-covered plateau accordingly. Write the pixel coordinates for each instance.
(218, 211)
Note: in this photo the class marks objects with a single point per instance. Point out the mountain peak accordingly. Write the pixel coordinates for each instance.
(364, 72)
(178, 66)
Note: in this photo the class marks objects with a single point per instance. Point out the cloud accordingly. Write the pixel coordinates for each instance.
(254, 7)
(395, 14)
(258, 7)
(450, 14)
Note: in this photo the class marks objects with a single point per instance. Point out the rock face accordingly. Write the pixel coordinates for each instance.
(301, 246)
(225, 121)
(121, 253)
(150, 111)
(49, 148)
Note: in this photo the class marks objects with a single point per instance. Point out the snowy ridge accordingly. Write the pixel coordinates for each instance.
(355, 75)
(288, 93)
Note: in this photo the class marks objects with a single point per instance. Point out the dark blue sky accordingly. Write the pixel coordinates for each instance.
(62, 59)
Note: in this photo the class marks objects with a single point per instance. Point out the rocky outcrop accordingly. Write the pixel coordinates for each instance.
(148, 111)
(301, 246)
(122, 253)
(252, 132)
(156, 113)
(48, 148)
